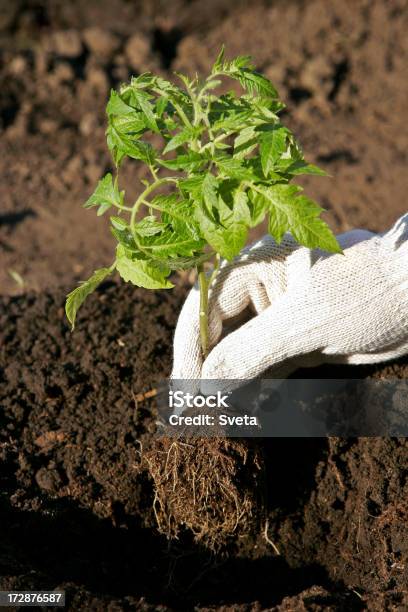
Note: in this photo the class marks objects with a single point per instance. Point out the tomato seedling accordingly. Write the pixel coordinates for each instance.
(226, 162)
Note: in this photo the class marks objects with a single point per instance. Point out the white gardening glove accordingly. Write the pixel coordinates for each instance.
(311, 307)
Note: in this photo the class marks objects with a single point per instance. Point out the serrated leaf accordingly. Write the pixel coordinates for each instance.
(233, 121)
(119, 223)
(213, 84)
(141, 100)
(190, 162)
(219, 60)
(242, 70)
(256, 83)
(227, 238)
(255, 164)
(141, 272)
(76, 298)
(172, 92)
(258, 206)
(186, 263)
(105, 195)
(149, 226)
(299, 215)
(116, 106)
(142, 81)
(310, 230)
(245, 142)
(177, 211)
(272, 146)
(161, 106)
(192, 186)
(125, 238)
(233, 168)
(221, 145)
(302, 167)
(179, 139)
(209, 192)
(226, 186)
(121, 145)
(236, 64)
(171, 244)
(130, 124)
(242, 211)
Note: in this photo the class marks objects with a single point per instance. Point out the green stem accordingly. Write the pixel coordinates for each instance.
(126, 208)
(203, 284)
(143, 196)
(154, 172)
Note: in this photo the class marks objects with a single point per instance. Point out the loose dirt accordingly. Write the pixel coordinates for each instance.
(76, 494)
(77, 497)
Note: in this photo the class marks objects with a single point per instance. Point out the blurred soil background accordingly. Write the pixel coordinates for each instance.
(76, 501)
(339, 66)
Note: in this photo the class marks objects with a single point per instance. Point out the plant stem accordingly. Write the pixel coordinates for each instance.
(204, 285)
(143, 195)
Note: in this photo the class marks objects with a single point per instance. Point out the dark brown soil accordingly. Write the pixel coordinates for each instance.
(76, 497)
(77, 501)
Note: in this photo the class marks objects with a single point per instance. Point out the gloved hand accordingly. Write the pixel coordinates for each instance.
(310, 307)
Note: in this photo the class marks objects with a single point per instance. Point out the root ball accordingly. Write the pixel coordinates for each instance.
(211, 486)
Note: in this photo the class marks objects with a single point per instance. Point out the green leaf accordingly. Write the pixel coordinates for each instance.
(190, 163)
(227, 238)
(209, 192)
(125, 238)
(192, 186)
(149, 226)
(236, 64)
(299, 215)
(119, 223)
(242, 211)
(185, 263)
(177, 211)
(141, 272)
(121, 145)
(172, 205)
(272, 146)
(172, 92)
(141, 81)
(105, 195)
(302, 167)
(258, 206)
(141, 100)
(170, 244)
(180, 138)
(245, 142)
(131, 124)
(116, 106)
(233, 168)
(233, 121)
(217, 66)
(161, 106)
(232, 162)
(76, 298)
(213, 84)
(255, 83)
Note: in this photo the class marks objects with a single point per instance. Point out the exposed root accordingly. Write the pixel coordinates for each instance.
(211, 486)
(268, 539)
